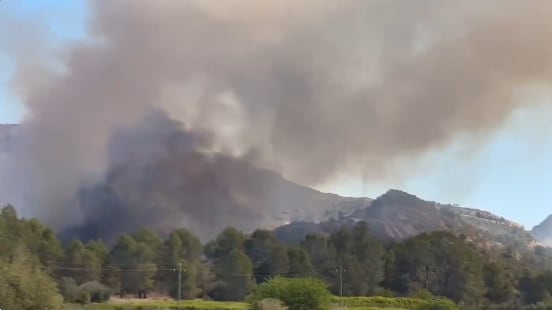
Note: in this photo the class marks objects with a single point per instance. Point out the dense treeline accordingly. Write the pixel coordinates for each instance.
(227, 268)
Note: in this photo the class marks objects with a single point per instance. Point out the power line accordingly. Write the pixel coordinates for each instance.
(176, 269)
(107, 269)
(59, 265)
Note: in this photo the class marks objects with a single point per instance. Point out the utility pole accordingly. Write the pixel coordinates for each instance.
(340, 269)
(179, 280)
(341, 280)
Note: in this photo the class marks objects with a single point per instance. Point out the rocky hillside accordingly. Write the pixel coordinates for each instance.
(543, 231)
(398, 215)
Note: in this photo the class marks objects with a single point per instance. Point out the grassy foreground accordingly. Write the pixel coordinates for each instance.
(189, 305)
(154, 305)
(352, 303)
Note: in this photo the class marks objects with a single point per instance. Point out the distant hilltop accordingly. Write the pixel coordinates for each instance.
(543, 231)
(399, 215)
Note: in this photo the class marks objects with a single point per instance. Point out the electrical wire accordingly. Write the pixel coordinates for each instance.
(130, 269)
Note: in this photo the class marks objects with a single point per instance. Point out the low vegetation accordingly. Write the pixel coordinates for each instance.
(184, 305)
(265, 304)
(395, 302)
(294, 294)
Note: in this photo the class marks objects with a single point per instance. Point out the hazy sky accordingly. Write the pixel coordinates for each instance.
(507, 175)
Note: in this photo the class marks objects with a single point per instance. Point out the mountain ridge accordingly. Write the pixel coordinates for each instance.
(398, 215)
(186, 184)
(543, 231)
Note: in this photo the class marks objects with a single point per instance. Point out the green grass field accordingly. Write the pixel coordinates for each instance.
(154, 305)
(187, 305)
(349, 303)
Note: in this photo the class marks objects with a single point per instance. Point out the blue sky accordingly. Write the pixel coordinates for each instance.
(507, 175)
(64, 20)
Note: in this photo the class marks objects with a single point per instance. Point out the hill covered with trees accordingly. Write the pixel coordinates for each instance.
(142, 264)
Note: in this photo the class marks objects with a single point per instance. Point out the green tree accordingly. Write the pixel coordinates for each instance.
(233, 269)
(48, 247)
(24, 286)
(207, 280)
(268, 255)
(441, 263)
(498, 283)
(31, 234)
(84, 264)
(362, 256)
(300, 262)
(536, 288)
(234, 275)
(228, 240)
(7, 243)
(368, 254)
(530, 292)
(99, 249)
(149, 239)
(322, 254)
(133, 264)
(181, 250)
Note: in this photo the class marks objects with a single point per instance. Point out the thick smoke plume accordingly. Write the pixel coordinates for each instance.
(311, 89)
(161, 177)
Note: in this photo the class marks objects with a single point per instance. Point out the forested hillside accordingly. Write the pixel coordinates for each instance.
(141, 264)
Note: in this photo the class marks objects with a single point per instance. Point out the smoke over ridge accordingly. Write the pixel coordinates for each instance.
(310, 89)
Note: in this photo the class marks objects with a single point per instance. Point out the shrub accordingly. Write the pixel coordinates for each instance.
(295, 293)
(69, 289)
(72, 293)
(83, 298)
(97, 291)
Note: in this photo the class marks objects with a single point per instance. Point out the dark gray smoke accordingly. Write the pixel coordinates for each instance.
(161, 177)
(311, 89)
